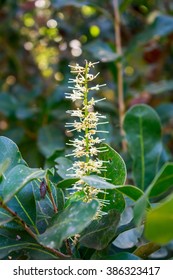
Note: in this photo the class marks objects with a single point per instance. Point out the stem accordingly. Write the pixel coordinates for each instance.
(30, 232)
(86, 110)
(147, 249)
(50, 194)
(121, 104)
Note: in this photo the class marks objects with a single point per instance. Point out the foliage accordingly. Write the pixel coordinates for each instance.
(41, 216)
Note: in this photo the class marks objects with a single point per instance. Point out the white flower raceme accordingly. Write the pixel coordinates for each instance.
(86, 122)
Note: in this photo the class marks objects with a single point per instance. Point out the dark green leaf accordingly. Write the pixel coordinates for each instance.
(132, 192)
(8, 104)
(23, 203)
(165, 111)
(116, 172)
(67, 183)
(17, 178)
(163, 180)
(9, 154)
(115, 166)
(5, 217)
(143, 133)
(100, 232)
(160, 87)
(70, 221)
(50, 140)
(62, 166)
(101, 51)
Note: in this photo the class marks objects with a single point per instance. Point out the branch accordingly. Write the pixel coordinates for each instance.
(31, 233)
(119, 66)
(147, 249)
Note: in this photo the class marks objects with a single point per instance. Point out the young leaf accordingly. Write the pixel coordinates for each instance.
(143, 133)
(159, 226)
(72, 220)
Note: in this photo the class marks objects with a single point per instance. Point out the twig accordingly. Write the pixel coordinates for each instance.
(31, 233)
(147, 249)
(119, 66)
(50, 194)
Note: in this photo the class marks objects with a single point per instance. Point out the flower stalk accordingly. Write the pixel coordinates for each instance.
(86, 147)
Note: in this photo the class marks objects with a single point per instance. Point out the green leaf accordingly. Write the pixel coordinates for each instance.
(70, 221)
(23, 203)
(5, 217)
(116, 172)
(62, 166)
(143, 133)
(8, 104)
(97, 182)
(139, 208)
(50, 140)
(161, 27)
(100, 232)
(165, 111)
(67, 183)
(163, 180)
(159, 225)
(160, 87)
(9, 155)
(76, 3)
(114, 164)
(161, 183)
(101, 51)
(132, 192)
(17, 178)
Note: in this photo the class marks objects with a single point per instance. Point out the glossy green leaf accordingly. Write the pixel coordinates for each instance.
(132, 192)
(62, 166)
(72, 220)
(17, 178)
(159, 226)
(143, 134)
(140, 208)
(5, 217)
(163, 180)
(23, 203)
(9, 155)
(97, 182)
(101, 51)
(115, 166)
(67, 183)
(100, 232)
(50, 140)
(161, 183)
(116, 172)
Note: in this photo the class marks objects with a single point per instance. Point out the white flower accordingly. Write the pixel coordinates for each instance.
(86, 147)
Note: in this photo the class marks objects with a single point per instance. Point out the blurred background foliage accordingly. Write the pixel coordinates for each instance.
(40, 38)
